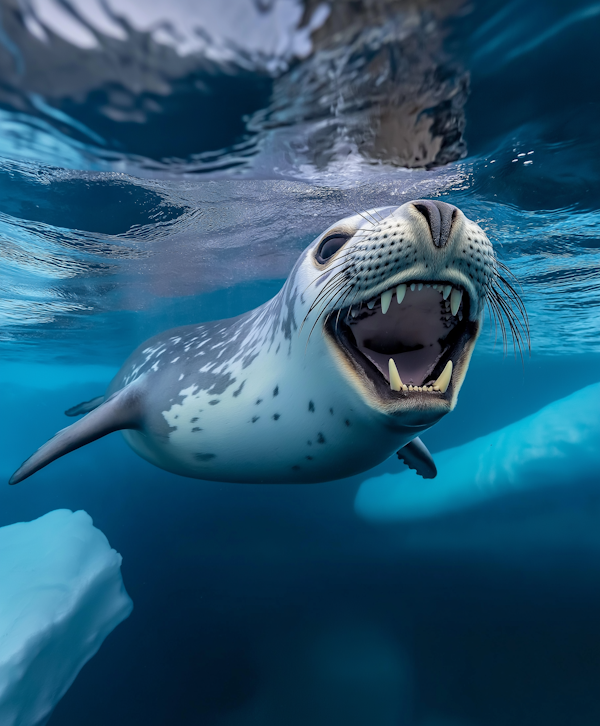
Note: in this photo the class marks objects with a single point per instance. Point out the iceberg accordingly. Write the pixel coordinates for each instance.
(558, 445)
(61, 594)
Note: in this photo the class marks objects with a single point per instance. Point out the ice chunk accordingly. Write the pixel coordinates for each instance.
(61, 594)
(557, 445)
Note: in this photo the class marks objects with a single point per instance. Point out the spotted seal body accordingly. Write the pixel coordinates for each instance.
(365, 347)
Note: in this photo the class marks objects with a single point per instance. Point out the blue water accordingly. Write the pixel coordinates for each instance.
(131, 202)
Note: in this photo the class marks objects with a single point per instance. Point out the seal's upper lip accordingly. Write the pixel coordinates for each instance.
(408, 341)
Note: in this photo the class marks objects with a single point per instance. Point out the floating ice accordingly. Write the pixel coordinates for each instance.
(61, 594)
(555, 446)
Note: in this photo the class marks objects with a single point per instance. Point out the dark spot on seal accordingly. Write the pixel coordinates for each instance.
(309, 443)
(239, 390)
(193, 420)
(205, 457)
(176, 416)
(331, 411)
(347, 422)
(258, 401)
(214, 401)
(311, 406)
(196, 428)
(295, 467)
(255, 419)
(320, 438)
(310, 458)
(276, 391)
(248, 360)
(275, 416)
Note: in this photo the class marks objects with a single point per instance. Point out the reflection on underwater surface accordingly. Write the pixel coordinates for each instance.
(157, 174)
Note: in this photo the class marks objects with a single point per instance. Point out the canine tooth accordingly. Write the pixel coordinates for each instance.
(447, 291)
(455, 299)
(395, 380)
(386, 299)
(412, 287)
(371, 304)
(443, 381)
(420, 286)
(400, 293)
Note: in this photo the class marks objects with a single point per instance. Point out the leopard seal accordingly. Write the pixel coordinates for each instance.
(365, 347)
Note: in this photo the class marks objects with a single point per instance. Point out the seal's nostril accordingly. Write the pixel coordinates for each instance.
(439, 216)
(432, 215)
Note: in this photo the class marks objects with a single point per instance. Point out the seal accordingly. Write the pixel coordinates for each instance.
(365, 347)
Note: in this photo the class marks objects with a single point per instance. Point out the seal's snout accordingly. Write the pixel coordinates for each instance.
(439, 217)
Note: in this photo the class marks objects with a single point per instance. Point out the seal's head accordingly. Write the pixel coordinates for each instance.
(400, 294)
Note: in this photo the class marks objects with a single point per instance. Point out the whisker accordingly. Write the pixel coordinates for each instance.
(518, 326)
(339, 276)
(320, 313)
(368, 221)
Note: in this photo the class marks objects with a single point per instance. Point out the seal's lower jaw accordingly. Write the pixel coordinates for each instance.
(407, 352)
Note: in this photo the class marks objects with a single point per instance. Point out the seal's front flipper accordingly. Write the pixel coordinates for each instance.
(416, 456)
(85, 407)
(120, 411)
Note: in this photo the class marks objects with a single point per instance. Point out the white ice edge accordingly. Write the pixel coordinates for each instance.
(61, 594)
(558, 445)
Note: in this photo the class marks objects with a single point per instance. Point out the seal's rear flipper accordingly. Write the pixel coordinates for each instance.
(120, 411)
(416, 456)
(85, 407)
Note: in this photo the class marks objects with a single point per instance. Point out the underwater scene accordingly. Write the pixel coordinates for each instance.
(317, 286)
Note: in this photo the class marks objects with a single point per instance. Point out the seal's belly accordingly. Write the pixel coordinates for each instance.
(281, 419)
(308, 450)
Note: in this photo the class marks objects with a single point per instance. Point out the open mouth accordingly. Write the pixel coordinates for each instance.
(410, 340)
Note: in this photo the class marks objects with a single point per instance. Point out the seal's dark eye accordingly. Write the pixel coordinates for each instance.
(330, 245)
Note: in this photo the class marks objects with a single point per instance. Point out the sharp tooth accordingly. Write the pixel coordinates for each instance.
(395, 380)
(371, 304)
(447, 291)
(420, 286)
(400, 293)
(386, 299)
(443, 381)
(455, 299)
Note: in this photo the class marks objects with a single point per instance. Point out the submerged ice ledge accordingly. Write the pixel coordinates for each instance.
(61, 595)
(556, 446)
